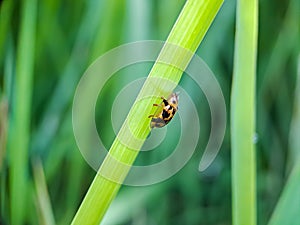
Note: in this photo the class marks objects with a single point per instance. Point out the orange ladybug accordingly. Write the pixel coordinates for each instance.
(165, 112)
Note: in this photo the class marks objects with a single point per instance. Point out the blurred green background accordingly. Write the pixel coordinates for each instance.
(68, 36)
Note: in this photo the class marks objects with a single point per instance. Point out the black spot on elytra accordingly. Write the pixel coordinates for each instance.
(165, 114)
(165, 102)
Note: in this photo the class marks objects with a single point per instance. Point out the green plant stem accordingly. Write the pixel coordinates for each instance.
(5, 17)
(188, 31)
(243, 114)
(42, 196)
(288, 206)
(20, 119)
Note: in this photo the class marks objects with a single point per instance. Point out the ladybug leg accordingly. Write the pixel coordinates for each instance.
(161, 105)
(150, 116)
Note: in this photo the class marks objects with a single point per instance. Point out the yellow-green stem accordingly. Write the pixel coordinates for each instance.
(243, 114)
(188, 31)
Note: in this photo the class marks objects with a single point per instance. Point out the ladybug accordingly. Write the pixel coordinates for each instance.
(165, 112)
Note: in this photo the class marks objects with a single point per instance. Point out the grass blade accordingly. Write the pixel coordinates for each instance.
(42, 197)
(188, 32)
(19, 132)
(288, 206)
(243, 114)
(287, 209)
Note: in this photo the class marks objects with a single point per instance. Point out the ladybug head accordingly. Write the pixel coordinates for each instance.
(173, 99)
